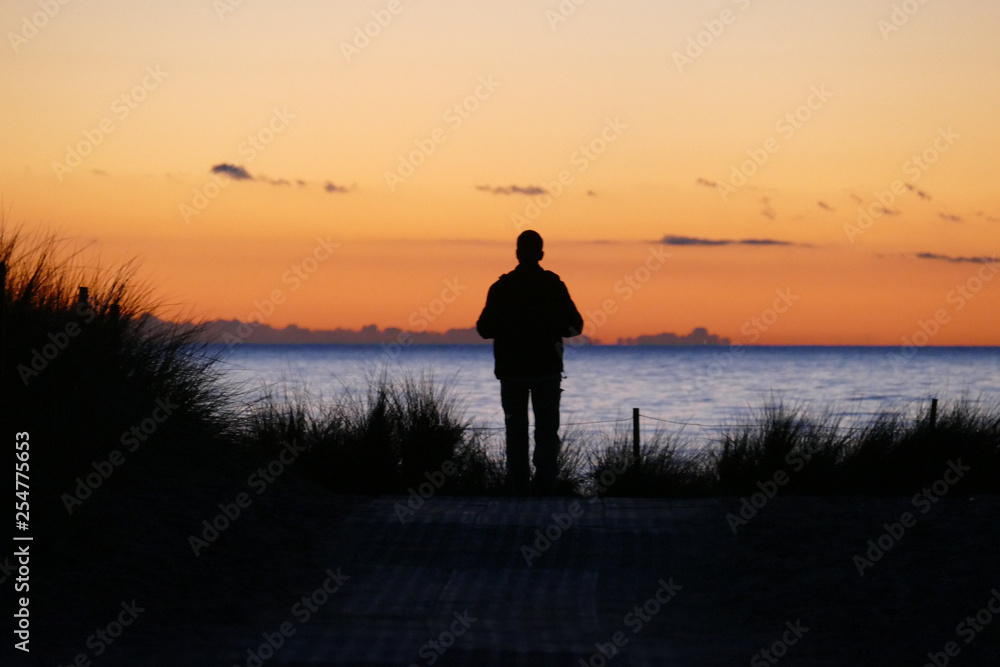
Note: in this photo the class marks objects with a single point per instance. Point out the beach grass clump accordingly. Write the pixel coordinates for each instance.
(396, 436)
(875, 459)
(478, 471)
(348, 446)
(665, 468)
(570, 477)
(968, 430)
(897, 453)
(779, 439)
(428, 423)
(93, 373)
(891, 453)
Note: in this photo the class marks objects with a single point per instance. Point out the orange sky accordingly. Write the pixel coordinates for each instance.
(607, 131)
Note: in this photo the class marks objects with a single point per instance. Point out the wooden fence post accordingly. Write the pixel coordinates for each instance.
(635, 436)
(933, 420)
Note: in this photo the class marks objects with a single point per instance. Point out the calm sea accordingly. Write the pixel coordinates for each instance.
(694, 389)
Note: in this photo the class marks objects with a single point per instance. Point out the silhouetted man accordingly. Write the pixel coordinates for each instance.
(528, 313)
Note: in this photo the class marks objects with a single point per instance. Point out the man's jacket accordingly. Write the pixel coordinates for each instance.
(528, 312)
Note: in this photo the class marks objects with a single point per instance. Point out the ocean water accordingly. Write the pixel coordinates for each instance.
(695, 390)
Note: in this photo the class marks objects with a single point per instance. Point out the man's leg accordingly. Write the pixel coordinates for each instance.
(545, 403)
(514, 398)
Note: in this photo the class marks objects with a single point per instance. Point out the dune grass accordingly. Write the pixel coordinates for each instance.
(89, 374)
(391, 439)
(891, 453)
(406, 429)
(779, 438)
(896, 453)
(92, 377)
(787, 449)
(71, 352)
(664, 469)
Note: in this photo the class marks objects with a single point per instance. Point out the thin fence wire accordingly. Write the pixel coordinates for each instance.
(710, 427)
(590, 423)
(831, 427)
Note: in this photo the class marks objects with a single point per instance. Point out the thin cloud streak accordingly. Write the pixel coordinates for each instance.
(239, 173)
(233, 171)
(529, 190)
(694, 241)
(956, 259)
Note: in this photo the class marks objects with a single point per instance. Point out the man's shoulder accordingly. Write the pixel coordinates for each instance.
(520, 279)
(552, 275)
(534, 273)
(504, 279)
(552, 279)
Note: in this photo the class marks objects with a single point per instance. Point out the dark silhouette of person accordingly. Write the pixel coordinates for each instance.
(528, 312)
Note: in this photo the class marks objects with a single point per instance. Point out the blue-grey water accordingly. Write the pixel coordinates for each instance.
(691, 389)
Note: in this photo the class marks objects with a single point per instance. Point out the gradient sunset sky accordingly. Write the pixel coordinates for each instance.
(843, 153)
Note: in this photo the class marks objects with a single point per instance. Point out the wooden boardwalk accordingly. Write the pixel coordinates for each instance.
(535, 600)
(468, 581)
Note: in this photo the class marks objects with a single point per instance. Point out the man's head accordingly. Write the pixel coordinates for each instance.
(529, 247)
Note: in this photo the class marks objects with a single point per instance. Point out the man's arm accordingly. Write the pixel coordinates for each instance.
(487, 323)
(573, 320)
